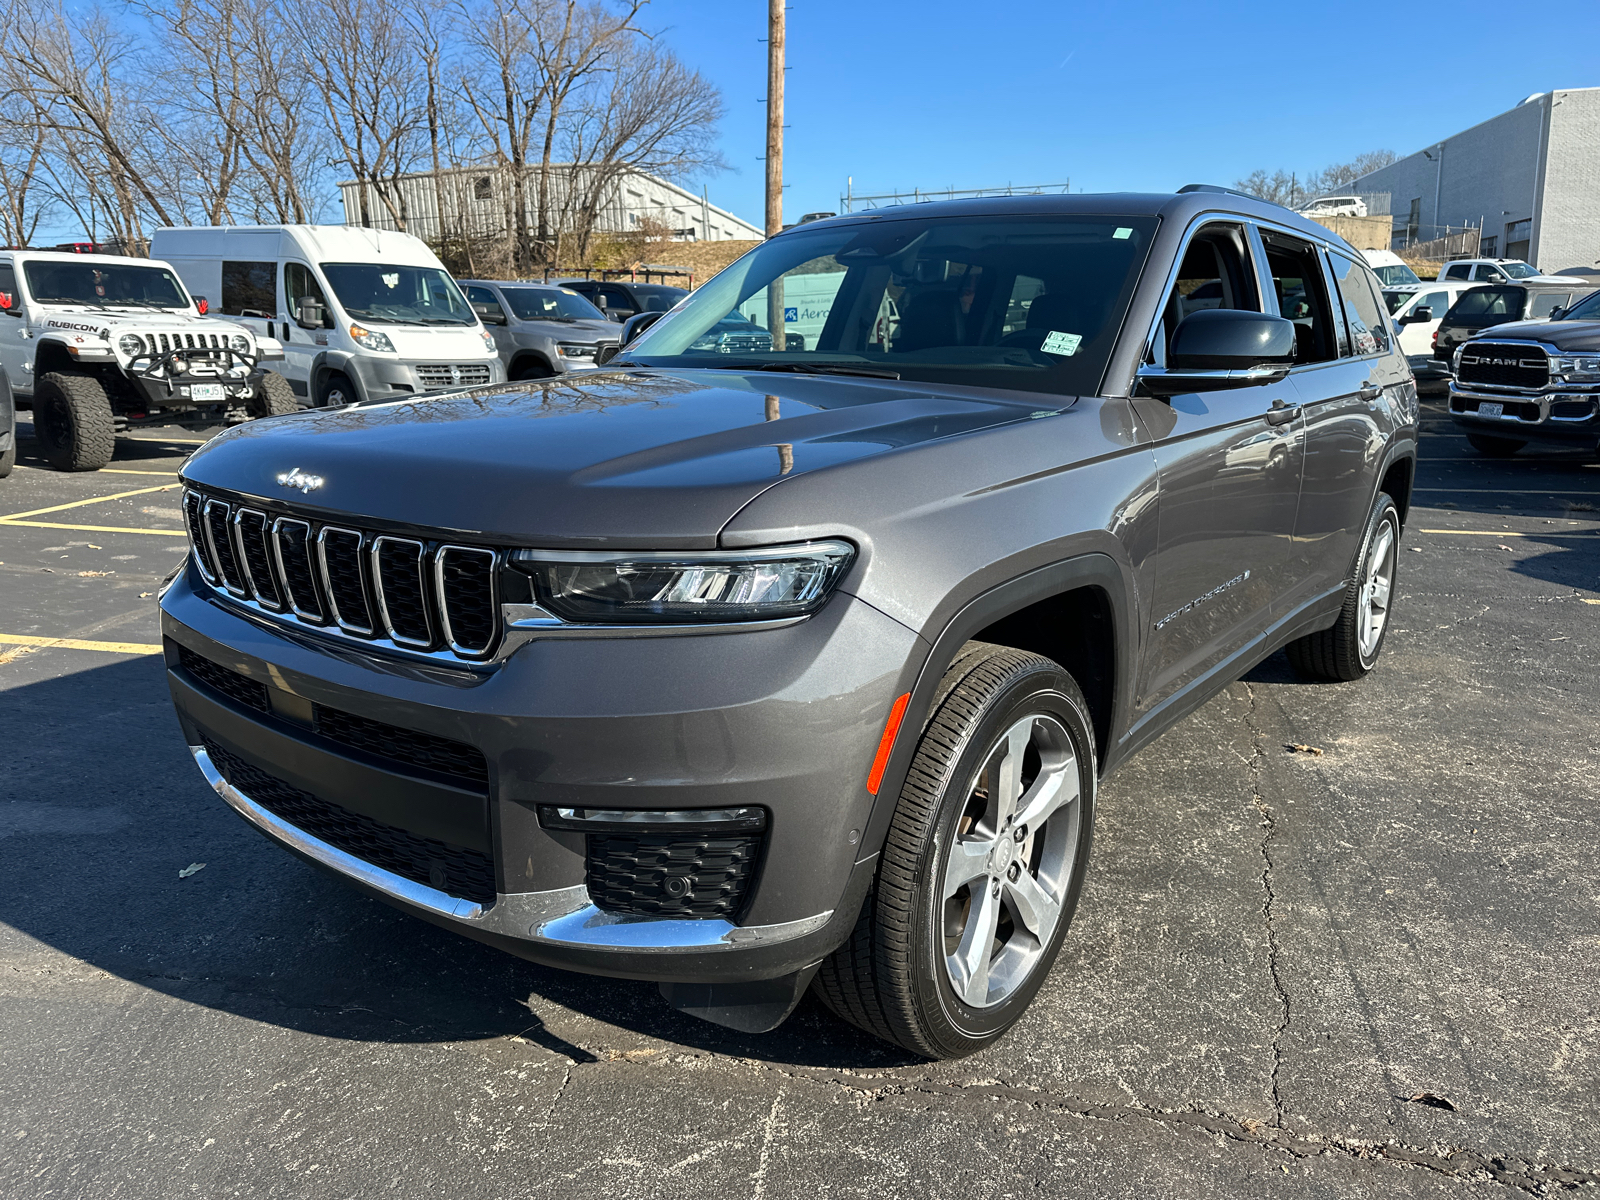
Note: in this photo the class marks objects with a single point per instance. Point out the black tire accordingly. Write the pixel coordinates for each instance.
(1494, 447)
(273, 397)
(8, 408)
(336, 390)
(891, 977)
(531, 369)
(1339, 653)
(72, 420)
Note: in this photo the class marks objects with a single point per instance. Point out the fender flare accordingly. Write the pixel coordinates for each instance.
(326, 363)
(1094, 569)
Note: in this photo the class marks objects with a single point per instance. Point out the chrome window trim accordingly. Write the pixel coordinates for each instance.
(317, 619)
(327, 580)
(211, 543)
(244, 559)
(422, 583)
(444, 606)
(201, 546)
(1263, 284)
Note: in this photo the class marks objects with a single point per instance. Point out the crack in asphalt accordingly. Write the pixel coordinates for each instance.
(1269, 828)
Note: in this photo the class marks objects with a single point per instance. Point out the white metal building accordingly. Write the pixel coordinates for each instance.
(475, 203)
(1528, 178)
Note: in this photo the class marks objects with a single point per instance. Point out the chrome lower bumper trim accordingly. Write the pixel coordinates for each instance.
(561, 917)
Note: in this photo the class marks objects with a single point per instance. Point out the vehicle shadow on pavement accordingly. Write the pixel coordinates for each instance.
(103, 810)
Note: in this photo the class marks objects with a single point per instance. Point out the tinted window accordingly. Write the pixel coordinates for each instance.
(658, 299)
(103, 284)
(250, 289)
(1369, 324)
(1459, 271)
(550, 304)
(927, 297)
(1541, 303)
(303, 288)
(484, 298)
(1489, 302)
(616, 297)
(1297, 280)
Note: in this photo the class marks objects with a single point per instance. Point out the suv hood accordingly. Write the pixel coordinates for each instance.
(1581, 336)
(587, 332)
(643, 459)
(102, 323)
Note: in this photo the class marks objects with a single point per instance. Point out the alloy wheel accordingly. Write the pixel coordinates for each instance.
(1377, 581)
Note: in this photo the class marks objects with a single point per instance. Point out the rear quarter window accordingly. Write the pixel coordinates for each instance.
(1363, 310)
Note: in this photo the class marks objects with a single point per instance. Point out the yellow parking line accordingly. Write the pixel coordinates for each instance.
(34, 512)
(92, 528)
(1506, 533)
(12, 639)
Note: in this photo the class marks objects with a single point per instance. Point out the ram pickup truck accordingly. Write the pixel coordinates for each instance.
(1531, 381)
(746, 671)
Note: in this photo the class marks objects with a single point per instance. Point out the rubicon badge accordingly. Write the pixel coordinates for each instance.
(294, 477)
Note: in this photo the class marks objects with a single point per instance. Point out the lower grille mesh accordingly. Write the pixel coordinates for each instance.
(669, 875)
(453, 870)
(231, 684)
(456, 759)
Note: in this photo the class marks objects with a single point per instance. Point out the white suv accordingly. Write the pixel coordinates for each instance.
(97, 343)
(1489, 270)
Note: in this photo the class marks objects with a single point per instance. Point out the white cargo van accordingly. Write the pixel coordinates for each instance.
(363, 314)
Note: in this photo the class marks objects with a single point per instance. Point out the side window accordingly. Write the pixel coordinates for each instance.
(1544, 302)
(10, 300)
(1214, 273)
(250, 289)
(1459, 271)
(1438, 301)
(1488, 274)
(1302, 298)
(301, 285)
(616, 297)
(482, 298)
(1369, 327)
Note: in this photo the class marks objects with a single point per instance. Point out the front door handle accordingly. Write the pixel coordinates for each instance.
(1368, 391)
(1281, 413)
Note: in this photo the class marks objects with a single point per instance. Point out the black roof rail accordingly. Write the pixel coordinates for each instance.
(1211, 187)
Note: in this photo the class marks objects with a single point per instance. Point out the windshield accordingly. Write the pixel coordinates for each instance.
(1396, 275)
(395, 295)
(1517, 270)
(1587, 309)
(1489, 302)
(550, 304)
(104, 285)
(1025, 302)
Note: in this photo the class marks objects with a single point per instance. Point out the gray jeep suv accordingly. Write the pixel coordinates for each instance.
(751, 672)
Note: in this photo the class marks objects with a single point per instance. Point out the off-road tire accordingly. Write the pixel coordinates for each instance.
(1494, 447)
(8, 456)
(273, 397)
(1335, 653)
(72, 420)
(889, 977)
(337, 390)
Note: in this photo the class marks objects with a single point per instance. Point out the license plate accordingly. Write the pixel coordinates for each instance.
(1485, 409)
(215, 391)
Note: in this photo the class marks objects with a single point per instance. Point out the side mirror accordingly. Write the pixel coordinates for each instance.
(1558, 313)
(202, 305)
(308, 314)
(490, 314)
(1424, 313)
(1219, 348)
(619, 314)
(637, 324)
(10, 304)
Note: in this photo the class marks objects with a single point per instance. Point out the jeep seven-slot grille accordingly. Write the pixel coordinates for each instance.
(1504, 364)
(454, 870)
(460, 763)
(410, 593)
(670, 875)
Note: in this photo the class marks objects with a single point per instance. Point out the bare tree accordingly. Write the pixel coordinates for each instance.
(1292, 189)
(502, 85)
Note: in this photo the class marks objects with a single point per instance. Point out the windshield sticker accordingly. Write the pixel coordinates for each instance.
(1123, 233)
(1064, 344)
(391, 281)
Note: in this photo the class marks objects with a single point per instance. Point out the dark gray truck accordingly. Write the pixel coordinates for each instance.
(752, 672)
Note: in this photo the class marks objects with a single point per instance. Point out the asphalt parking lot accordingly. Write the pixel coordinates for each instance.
(1336, 940)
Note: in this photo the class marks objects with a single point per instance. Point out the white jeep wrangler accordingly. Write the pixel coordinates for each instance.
(99, 344)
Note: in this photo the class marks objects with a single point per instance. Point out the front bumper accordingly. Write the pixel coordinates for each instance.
(1564, 416)
(785, 719)
(397, 378)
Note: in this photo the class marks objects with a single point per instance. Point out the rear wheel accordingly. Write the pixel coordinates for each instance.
(1494, 447)
(337, 390)
(273, 397)
(72, 420)
(1350, 648)
(984, 861)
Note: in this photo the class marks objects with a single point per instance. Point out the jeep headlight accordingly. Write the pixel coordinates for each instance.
(1576, 369)
(131, 345)
(239, 343)
(371, 339)
(686, 587)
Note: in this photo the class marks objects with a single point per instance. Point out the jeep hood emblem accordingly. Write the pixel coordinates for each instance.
(294, 477)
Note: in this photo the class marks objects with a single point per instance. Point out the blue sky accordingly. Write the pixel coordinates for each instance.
(941, 93)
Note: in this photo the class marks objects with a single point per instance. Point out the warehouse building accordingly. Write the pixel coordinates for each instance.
(1528, 180)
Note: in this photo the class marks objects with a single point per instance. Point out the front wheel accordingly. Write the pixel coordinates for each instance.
(337, 390)
(273, 397)
(1349, 649)
(1494, 447)
(73, 422)
(983, 864)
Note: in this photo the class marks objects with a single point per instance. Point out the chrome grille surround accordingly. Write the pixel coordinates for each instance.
(415, 552)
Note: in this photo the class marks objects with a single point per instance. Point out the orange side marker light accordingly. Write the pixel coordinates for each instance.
(886, 742)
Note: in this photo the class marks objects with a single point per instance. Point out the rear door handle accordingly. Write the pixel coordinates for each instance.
(1368, 391)
(1281, 413)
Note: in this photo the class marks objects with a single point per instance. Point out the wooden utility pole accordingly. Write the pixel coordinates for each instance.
(775, 158)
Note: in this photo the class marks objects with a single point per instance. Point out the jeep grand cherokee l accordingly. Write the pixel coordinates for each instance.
(750, 672)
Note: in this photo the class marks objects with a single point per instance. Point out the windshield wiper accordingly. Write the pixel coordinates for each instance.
(808, 368)
(367, 314)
